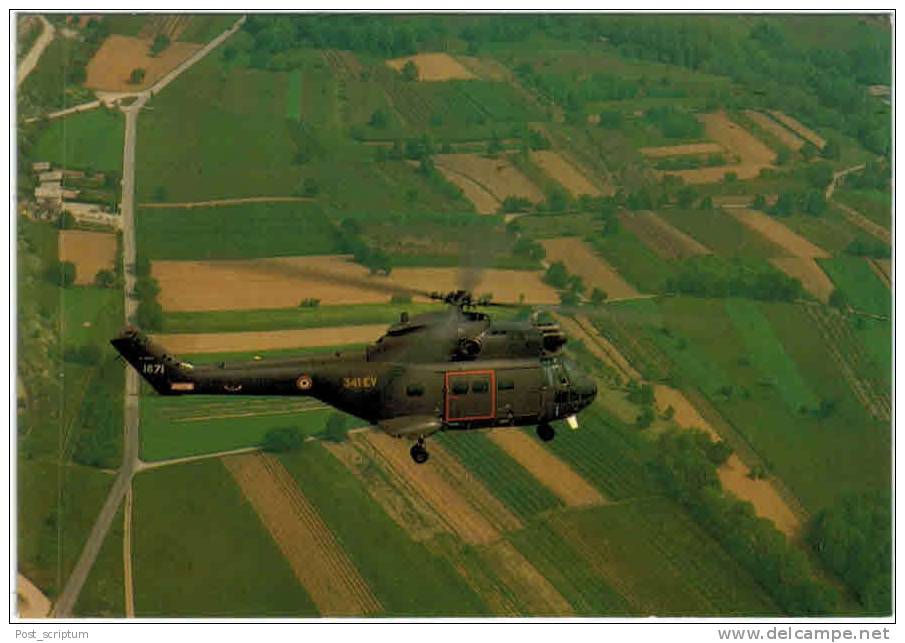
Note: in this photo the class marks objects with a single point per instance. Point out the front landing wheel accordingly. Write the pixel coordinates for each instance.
(419, 453)
(545, 432)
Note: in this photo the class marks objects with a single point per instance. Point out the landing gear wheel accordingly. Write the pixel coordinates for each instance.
(419, 453)
(545, 432)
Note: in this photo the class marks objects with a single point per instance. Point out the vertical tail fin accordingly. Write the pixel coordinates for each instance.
(162, 371)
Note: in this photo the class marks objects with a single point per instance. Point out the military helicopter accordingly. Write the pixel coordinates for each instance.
(450, 370)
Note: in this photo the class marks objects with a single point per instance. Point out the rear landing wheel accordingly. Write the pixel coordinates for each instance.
(545, 432)
(419, 453)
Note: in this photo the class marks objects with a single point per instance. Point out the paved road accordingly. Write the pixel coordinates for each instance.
(27, 64)
(123, 483)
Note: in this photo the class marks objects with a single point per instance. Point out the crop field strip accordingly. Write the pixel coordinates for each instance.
(581, 260)
(799, 128)
(660, 236)
(785, 136)
(565, 172)
(318, 561)
(845, 350)
(794, 244)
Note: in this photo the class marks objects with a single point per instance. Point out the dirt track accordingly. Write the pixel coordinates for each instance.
(434, 67)
(771, 229)
(111, 66)
(581, 260)
(30, 601)
(285, 281)
(194, 343)
(89, 251)
(316, 558)
(549, 470)
(187, 205)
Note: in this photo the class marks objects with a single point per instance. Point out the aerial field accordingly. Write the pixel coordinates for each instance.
(723, 234)
(753, 154)
(191, 522)
(785, 136)
(809, 273)
(285, 282)
(193, 343)
(661, 237)
(89, 251)
(565, 172)
(495, 175)
(111, 66)
(793, 244)
(433, 67)
(88, 139)
(581, 260)
(688, 149)
(316, 558)
(799, 128)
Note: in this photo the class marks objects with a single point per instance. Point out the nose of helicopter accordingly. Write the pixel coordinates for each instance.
(586, 390)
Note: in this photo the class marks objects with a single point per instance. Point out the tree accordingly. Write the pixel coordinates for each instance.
(760, 202)
(62, 273)
(282, 440)
(409, 71)
(379, 119)
(65, 221)
(831, 150)
(335, 429)
(598, 296)
(149, 315)
(838, 299)
(557, 275)
(105, 278)
(808, 150)
(137, 77)
(161, 42)
(685, 197)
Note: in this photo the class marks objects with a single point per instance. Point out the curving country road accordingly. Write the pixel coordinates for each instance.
(130, 463)
(27, 64)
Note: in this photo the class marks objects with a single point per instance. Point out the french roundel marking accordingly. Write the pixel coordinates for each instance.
(303, 382)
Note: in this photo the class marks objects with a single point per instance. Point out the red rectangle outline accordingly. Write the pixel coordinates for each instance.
(449, 395)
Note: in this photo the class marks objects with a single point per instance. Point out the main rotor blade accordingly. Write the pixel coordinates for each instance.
(379, 284)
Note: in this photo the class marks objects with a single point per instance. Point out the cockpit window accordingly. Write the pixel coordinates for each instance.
(555, 373)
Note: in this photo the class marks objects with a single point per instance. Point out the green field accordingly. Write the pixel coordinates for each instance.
(193, 425)
(876, 205)
(202, 29)
(283, 318)
(766, 353)
(89, 140)
(103, 596)
(721, 232)
(235, 232)
(517, 488)
(858, 283)
(200, 550)
(405, 576)
(633, 260)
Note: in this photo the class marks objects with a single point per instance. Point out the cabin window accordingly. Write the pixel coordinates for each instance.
(414, 390)
(505, 384)
(479, 386)
(459, 388)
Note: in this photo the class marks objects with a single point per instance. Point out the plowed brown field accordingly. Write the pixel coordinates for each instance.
(771, 229)
(89, 251)
(549, 470)
(496, 175)
(111, 66)
(581, 260)
(194, 343)
(661, 237)
(446, 499)
(799, 128)
(285, 281)
(484, 202)
(565, 172)
(811, 276)
(433, 67)
(316, 558)
(787, 138)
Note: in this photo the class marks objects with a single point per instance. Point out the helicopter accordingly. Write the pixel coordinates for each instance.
(451, 370)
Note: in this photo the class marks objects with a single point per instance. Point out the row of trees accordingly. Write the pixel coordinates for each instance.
(149, 313)
(686, 466)
(351, 241)
(717, 277)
